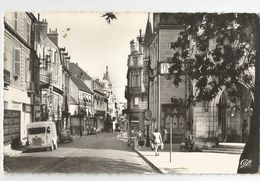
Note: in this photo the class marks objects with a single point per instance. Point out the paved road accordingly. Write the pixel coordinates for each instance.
(88, 154)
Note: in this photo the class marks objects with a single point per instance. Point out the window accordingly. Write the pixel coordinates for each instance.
(17, 58)
(40, 130)
(28, 33)
(50, 55)
(27, 69)
(55, 57)
(135, 80)
(136, 101)
(15, 21)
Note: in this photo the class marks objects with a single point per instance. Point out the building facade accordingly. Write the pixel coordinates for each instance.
(66, 78)
(220, 120)
(100, 106)
(20, 76)
(46, 47)
(81, 107)
(111, 102)
(162, 92)
(136, 91)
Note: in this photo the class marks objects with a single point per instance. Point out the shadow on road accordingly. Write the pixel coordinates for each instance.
(107, 141)
(89, 165)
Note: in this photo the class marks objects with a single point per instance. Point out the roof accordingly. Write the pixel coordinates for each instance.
(77, 71)
(80, 84)
(148, 31)
(106, 76)
(72, 100)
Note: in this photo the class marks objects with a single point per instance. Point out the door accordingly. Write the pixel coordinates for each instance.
(222, 118)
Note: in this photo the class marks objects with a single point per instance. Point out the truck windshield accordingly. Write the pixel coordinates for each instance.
(39, 130)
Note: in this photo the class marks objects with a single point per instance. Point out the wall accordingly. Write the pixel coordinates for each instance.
(22, 20)
(18, 84)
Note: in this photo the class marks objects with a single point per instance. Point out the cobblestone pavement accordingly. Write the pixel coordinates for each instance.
(88, 154)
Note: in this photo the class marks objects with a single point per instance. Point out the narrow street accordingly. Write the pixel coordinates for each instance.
(88, 154)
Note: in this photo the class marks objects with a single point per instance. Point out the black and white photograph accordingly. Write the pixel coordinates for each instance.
(131, 92)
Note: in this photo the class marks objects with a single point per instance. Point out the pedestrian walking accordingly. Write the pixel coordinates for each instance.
(140, 139)
(157, 141)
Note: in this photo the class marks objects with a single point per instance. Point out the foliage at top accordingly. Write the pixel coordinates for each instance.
(110, 16)
(215, 51)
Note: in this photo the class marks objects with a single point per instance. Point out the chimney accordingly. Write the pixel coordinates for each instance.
(53, 35)
(40, 29)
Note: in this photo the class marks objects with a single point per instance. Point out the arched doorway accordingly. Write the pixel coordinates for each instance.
(234, 114)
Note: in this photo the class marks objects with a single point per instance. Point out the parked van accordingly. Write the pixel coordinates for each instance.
(42, 134)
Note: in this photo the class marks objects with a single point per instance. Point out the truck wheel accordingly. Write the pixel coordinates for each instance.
(51, 147)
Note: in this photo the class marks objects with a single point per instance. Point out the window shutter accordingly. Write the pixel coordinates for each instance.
(27, 69)
(28, 33)
(17, 58)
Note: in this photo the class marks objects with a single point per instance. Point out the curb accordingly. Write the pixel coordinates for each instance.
(148, 161)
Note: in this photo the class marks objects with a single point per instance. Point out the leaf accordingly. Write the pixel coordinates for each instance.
(109, 17)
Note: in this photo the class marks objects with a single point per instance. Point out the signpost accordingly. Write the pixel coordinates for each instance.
(170, 119)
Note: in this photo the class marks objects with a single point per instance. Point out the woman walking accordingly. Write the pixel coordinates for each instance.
(157, 141)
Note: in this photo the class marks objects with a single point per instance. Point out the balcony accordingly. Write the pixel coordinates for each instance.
(135, 90)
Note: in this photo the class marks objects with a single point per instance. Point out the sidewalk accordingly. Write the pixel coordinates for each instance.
(188, 162)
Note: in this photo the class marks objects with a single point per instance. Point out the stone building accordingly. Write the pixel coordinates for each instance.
(21, 76)
(220, 120)
(46, 47)
(162, 92)
(136, 91)
(77, 71)
(66, 78)
(100, 105)
(111, 101)
(81, 107)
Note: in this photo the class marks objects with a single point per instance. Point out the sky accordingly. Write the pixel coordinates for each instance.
(94, 44)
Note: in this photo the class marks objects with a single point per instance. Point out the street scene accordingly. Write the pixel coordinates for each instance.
(91, 154)
(94, 93)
